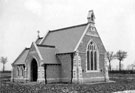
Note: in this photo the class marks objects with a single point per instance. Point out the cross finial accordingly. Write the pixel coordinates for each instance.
(38, 34)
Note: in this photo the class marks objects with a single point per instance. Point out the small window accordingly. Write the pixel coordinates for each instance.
(17, 68)
(22, 68)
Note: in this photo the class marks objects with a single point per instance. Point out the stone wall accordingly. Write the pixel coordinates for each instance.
(18, 73)
(93, 75)
(32, 54)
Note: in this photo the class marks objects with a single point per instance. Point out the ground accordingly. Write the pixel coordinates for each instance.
(122, 82)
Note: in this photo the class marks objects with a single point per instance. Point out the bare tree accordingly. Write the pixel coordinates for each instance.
(110, 57)
(3, 61)
(121, 55)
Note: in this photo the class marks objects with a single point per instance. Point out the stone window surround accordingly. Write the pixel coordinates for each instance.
(20, 71)
(98, 70)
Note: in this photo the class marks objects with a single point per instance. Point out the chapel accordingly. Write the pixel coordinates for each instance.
(74, 54)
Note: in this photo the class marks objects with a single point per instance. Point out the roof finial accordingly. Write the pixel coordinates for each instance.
(91, 16)
(38, 34)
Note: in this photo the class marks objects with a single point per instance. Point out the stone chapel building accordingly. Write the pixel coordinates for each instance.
(73, 54)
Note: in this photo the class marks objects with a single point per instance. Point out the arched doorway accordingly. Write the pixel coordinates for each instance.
(34, 70)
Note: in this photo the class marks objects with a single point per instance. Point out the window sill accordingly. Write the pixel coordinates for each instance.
(90, 71)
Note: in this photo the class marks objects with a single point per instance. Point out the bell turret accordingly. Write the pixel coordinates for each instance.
(91, 17)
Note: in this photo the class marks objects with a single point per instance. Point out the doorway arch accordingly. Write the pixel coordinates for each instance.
(34, 70)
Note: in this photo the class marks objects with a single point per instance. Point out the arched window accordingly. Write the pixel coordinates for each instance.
(21, 71)
(20, 68)
(23, 68)
(17, 73)
(92, 57)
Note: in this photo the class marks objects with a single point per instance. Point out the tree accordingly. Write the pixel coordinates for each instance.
(121, 55)
(3, 61)
(110, 56)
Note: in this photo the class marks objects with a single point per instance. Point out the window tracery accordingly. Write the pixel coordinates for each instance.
(92, 57)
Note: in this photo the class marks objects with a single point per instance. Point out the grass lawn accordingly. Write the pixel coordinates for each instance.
(123, 82)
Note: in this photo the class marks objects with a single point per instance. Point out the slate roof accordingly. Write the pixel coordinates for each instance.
(65, 39)
(56, 42)
(48, 54)
(21, 58)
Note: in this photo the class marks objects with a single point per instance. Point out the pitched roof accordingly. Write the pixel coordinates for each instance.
(65, 39)
(48, 54)
(21, 58)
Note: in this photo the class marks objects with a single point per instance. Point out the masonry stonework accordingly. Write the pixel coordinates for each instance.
(31, 55)
(92, 76)
(41, 75)
(77, 69)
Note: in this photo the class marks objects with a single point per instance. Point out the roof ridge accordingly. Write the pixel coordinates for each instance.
(68, 27)
(51, 46)
(27, 48)
(38, 38)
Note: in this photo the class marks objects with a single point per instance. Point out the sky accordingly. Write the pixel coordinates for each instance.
(20, 20)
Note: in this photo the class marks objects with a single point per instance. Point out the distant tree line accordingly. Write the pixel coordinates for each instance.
(122, 72)
(119, 55)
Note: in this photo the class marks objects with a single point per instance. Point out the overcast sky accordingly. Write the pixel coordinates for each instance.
(20, 20)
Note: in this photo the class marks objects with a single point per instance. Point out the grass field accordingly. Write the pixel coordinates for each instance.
(122, 82)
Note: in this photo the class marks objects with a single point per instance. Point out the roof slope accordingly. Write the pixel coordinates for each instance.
(48, 54)
(21, 58)
(65, 39)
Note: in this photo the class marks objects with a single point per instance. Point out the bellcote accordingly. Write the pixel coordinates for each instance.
(91, 17)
